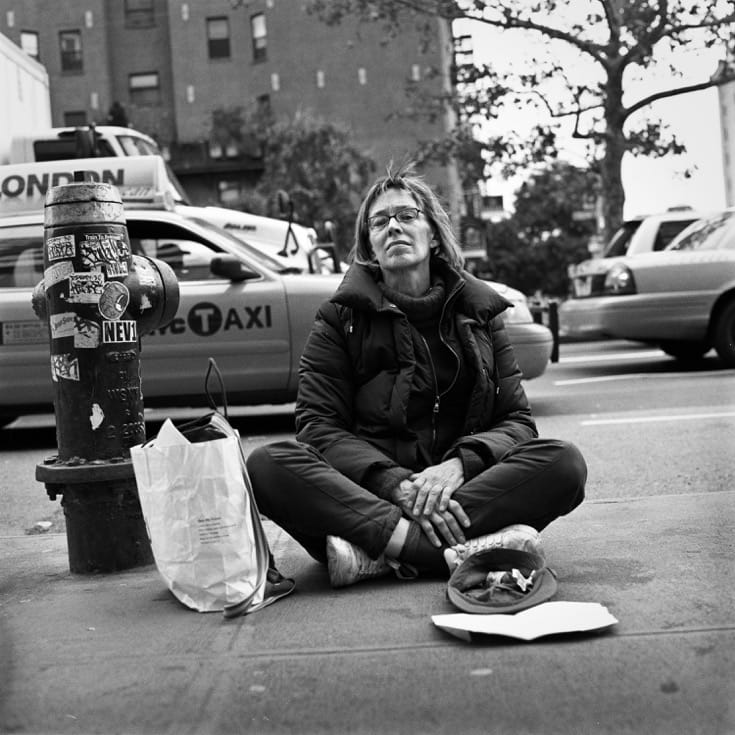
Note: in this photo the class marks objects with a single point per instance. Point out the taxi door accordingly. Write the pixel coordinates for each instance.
(243, 325)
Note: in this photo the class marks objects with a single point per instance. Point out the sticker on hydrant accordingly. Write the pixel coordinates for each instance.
(64, 366)
(97, 417)
(114, 299)
(86, 334)
(60, 247)
(85, 288)
(125, 330)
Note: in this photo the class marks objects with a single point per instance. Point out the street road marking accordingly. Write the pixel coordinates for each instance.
(614, 356)
(637, 376)
(648, 419)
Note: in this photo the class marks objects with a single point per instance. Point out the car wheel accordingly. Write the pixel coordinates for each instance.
(685, 350)
(724, 334)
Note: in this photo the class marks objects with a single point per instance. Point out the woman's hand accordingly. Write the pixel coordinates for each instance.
(435, 486)
(439, 524)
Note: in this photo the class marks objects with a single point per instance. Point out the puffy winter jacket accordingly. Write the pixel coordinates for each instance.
(356, 374)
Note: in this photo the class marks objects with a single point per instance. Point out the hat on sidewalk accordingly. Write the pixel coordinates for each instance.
(501, 581)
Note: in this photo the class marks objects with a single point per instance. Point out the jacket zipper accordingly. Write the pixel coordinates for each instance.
(437, 395)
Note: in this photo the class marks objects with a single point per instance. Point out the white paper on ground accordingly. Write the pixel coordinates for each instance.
(547, 618)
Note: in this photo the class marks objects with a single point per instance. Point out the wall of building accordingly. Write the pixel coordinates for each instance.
(24, 91)
(344, 74)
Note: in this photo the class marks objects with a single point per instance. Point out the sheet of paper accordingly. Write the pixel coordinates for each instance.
(548, 618)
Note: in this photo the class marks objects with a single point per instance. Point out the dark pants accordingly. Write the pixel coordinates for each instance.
(533, 483)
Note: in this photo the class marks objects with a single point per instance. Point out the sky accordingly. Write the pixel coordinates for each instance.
(651, 185)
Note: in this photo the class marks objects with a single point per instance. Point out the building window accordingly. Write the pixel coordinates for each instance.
(260, 37)
(218, 38)
(144, 89)
(29, 43)
(70, 43)
(139, 14)
(75, 118)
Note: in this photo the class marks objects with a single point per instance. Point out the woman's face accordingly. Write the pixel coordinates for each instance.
(398, 244)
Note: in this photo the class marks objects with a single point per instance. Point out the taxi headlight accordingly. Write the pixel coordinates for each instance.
(619, 281)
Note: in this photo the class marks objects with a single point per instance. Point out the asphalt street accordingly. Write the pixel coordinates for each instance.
(653, 543)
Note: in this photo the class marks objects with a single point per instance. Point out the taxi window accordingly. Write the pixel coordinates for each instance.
(190, 259)
(21, 257)
(667, 231)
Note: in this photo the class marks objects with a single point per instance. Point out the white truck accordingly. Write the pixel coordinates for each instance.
(24, 91)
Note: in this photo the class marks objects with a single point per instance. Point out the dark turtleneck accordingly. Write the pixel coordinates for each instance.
(442, 367)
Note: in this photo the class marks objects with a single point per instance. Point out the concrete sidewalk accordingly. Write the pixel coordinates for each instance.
(118, 654)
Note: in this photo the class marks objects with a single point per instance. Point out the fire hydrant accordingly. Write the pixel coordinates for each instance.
(98, 299)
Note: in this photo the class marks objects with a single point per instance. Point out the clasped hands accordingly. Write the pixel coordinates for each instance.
(426, 497)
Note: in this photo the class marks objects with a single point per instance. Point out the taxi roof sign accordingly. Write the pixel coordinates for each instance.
(141, 180)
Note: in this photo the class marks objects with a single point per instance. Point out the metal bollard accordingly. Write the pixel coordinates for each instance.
(98, 298)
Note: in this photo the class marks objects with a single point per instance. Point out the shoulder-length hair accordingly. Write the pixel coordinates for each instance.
(427, 201)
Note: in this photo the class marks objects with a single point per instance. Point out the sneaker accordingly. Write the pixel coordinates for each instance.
(347, 563)
(518, 536)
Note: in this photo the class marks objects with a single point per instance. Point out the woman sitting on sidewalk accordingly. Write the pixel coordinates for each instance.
(415, 442)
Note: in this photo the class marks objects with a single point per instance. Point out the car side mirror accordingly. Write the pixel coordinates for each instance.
(232, 268)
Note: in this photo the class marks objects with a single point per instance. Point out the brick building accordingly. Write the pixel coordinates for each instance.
(170, 63)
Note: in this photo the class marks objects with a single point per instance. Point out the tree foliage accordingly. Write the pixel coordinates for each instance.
(612, 43)
(311, 160)
(548, 231)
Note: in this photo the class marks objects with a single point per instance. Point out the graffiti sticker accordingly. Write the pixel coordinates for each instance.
(64, 366)
(114, 300)
(61, 247)
(100, 248)
(85, 288)
(86, 333)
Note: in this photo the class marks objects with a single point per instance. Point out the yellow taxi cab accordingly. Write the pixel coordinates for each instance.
(250, 310)
(681, 299)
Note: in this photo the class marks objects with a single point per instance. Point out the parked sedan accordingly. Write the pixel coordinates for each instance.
(237, 304)
(681, 299)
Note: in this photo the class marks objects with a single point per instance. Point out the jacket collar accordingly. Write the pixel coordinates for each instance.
(359, 290)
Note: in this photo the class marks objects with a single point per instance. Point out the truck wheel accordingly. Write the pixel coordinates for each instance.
(724, 334)
(686, 351)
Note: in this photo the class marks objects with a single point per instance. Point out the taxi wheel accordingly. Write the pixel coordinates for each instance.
(684, 350)
(724, 334)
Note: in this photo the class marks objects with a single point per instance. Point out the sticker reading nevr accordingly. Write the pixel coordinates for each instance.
(119, 331)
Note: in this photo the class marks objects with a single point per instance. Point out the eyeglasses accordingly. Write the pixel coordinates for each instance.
(402, 216)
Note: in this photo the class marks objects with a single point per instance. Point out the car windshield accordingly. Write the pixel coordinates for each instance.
(258, 255)
(620, 241)
(712, 233)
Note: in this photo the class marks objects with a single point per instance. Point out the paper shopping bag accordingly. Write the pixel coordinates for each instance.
(206, 534)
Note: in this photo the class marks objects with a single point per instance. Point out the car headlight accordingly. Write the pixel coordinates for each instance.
(619, 281)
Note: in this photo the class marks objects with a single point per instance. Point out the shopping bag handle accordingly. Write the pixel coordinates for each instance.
(223, 394)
